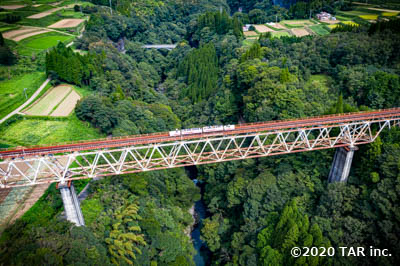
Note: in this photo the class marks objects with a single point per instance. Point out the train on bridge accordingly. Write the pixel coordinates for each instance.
(209, 129)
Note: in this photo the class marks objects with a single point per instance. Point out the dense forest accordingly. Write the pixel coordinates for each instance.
(258, 209)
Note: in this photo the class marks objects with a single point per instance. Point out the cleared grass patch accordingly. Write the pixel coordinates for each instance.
(12, 91)
(43, 131)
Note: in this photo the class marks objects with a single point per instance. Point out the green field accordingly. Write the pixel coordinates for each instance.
(37, 131)
(350, 23)
(319, 29)
(280, 34)
(369, 17)
(41, 42)
(12, 91)
(390, 14)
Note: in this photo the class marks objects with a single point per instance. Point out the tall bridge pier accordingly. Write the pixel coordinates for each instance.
(341, 164)
(72, 208)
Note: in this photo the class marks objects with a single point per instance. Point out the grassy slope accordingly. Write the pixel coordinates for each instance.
(37, 131)
(12, 91)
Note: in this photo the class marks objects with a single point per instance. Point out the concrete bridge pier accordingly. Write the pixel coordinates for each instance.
(72, 208)
(341, 164)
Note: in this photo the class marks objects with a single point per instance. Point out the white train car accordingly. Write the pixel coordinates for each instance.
(213, 129)
(229, 127)
(175, 133)
(190, 131)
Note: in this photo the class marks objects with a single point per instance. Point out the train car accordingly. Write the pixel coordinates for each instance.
(175, 133)
(213, 129)
(190, 131)
(229, 127)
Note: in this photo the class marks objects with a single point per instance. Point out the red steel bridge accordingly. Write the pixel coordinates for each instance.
(114, 156)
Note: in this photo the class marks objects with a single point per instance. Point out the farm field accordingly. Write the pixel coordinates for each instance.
(300, 32)
(278, 34)
(36, 131)
(319, 29)
(12, 7)
(250, 33)
(59, 101)
(297, 22)
(352, 23)
(277, 26)
(263, 28)
(44, 14)
(369, 17)
(390, 14)
(67, 23)
(12, 91)
(66, 107)
(42, 42)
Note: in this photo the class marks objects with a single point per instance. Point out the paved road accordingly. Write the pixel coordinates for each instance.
(27, 102)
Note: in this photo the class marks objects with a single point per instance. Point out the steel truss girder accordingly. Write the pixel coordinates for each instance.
(78, 165)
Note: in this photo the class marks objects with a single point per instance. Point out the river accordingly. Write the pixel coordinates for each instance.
(199, 214)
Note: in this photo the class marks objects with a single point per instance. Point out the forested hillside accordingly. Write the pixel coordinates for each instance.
(257, 209)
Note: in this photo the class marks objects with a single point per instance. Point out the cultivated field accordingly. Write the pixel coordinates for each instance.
(300, 32)
(319, 29)
(263, 28)
(277, 26)
(41, 42)
(67, 23)
(12, 7)
(59, 100)
(278, 34)
(297, 22)
(331, 21)
(67, 105)
(23, 33)
(250, 33)
(44, 14)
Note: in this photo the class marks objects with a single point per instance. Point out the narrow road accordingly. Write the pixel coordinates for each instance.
(37, 92)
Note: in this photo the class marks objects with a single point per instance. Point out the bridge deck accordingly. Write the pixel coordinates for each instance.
(320, 121)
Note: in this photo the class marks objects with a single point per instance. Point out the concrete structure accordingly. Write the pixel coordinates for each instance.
(160, 46)
(341, 164)
(72, 208)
